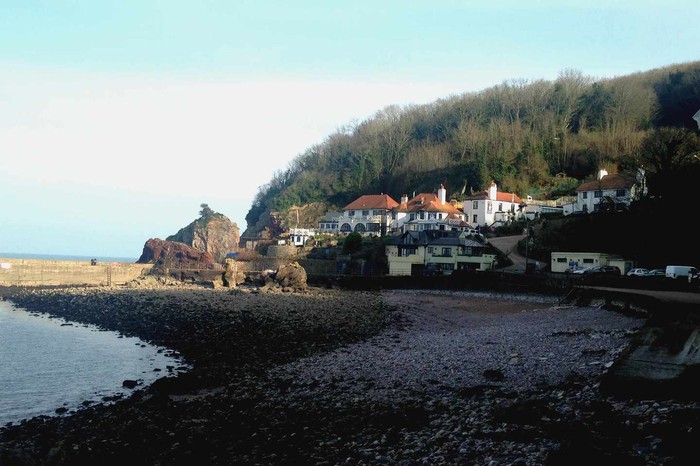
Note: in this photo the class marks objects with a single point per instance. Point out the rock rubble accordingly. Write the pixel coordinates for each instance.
(341, 377)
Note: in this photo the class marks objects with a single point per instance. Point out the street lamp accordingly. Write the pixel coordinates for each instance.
(527, 232)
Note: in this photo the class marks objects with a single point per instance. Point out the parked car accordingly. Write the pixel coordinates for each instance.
(603, 270)
(575, 269)
(681, 271)
(637, 272)
(655, 273)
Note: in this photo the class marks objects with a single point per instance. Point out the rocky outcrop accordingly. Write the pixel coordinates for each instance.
(291, 275)
(216, 235)
(174, 254)
(232, 277)
(288, 277)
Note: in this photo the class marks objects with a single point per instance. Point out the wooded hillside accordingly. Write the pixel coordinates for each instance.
(538, 138)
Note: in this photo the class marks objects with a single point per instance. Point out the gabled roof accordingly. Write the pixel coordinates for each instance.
(434, 237)
(372, 201)
(427, 202)
(500, 197)
(607, 182)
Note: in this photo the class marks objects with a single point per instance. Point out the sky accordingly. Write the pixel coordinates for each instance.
(118, 119)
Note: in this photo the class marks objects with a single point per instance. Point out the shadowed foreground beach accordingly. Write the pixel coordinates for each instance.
(346, 377)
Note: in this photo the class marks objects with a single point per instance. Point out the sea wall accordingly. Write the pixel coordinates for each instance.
(35, 272)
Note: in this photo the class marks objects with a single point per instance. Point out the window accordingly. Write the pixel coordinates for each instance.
(474, 219)
(588, 261)
(365, 213)
(489, 207)
(475, 204)
(393, 215)
(500, 207)
(584, 195)
(431, 215)
(351, 213)
(561, 259)
(410, 251)
(597, 194)
(447, 252)
(512, 207)
(412, 216)
(620, 193)
(430, 249)
(447, 266)
(422, 215)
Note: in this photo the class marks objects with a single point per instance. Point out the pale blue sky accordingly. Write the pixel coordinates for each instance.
(119, 118)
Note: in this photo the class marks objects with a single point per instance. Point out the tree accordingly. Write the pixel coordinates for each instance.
(352, 243)
(206, 213)
(666, 155)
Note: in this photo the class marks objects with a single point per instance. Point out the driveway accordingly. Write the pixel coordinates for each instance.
(508, 245)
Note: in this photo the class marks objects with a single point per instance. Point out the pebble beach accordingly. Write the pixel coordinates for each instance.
(329, 376)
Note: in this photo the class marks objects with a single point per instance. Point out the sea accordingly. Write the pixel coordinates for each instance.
(58, 257)
(49, 364)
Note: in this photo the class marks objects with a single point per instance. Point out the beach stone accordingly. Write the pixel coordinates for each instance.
(291, 275)
(128, 383)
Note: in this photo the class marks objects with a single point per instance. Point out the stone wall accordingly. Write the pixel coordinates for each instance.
(34, 272)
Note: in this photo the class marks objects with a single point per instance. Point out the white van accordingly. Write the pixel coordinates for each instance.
(681, 271)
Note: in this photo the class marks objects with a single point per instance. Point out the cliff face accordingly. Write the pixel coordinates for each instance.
(174, 254)
(216, 235)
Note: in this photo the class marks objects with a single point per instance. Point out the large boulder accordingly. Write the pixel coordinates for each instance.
(173, 254)
(291, 275)
(214, 233)
(232, 277)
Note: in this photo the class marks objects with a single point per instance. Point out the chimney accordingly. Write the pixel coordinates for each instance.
(493, 189)
(601, 173)
(404, 199)
(442, 193)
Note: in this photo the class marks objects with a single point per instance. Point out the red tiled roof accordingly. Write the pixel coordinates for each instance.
(607, 182)
(428, 202)
(500, 197)
(372, 201)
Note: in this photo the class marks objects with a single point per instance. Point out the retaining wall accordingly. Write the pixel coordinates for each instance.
(34, 272)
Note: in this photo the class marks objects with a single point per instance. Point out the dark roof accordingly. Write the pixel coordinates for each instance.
(433, 237)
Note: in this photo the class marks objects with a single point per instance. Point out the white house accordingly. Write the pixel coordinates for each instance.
(299, 236)
(329, 222)
(428, 211)
(370, 213)
(491, 208)
(613, 192)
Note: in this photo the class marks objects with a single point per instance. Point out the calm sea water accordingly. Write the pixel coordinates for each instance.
(58, 257)
(48, 363)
